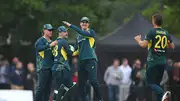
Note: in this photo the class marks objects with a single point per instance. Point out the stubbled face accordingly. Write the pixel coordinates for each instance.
(48, 33)
(64, 34)
(84, 25)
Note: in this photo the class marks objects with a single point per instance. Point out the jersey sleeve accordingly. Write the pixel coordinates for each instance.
(149, 36)
(90, 33)
(40, 46)
(76, 45)
(67, 48)
(76, 48)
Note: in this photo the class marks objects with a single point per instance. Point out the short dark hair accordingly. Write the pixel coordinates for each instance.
(157, 19)
(137, 60)
(124, 59)
(115, 59)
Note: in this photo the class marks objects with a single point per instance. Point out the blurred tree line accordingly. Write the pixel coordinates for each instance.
(170, 10)
(22, 20)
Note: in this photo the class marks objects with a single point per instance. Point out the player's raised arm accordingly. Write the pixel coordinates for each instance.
(85, 31)
(90, 33)
(142, 43)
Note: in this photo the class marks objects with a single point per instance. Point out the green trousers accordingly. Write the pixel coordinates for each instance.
(154, 74)
(43, 85)
(88, 71)
(61, 75)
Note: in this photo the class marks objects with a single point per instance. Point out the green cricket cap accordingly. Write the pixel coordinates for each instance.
(48, 27)
(85, 19)
(62, 29)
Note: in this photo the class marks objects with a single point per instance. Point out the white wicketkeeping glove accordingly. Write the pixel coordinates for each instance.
(71, 48)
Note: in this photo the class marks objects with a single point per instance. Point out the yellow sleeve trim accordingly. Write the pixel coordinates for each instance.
(75, 53)
(64, 54)
(91, 42)
(41, 54)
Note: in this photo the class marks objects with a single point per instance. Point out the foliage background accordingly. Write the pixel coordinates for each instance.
(22, 20)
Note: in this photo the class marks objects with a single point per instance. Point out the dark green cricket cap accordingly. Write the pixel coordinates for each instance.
(48, 27)
(62, 29)
(85, 19)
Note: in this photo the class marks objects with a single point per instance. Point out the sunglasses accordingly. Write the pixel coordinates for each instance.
(84, 21)
(50, 29)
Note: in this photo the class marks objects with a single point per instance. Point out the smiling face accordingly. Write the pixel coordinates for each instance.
(84, 25)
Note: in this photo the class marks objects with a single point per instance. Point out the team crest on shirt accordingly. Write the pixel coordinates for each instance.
(80, 38)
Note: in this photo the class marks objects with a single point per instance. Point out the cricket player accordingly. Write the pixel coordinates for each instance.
(87, 58)
(44, 63)
(157, 41)
(61, 69)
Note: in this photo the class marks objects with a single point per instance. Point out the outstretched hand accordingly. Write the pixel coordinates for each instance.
(137, 38)
(66, 23)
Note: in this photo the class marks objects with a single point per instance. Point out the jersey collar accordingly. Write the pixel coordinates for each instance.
(46, 39)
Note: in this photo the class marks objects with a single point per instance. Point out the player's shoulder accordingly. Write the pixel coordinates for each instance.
(167, 33)
(92, 31)
(39, 40)
(152, 31)
(62, 40)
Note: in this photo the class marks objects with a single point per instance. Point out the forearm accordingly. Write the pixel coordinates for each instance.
(81, 32)
(142, 43)
(42, 47)
(171, 45)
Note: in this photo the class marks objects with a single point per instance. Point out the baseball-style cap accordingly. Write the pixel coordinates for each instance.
(85, 19)
(62, 29)
(48, 27)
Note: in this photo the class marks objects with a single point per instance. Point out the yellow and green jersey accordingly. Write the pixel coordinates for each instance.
(158, 39)
(85, 43)
(44, 57)
(62, 53)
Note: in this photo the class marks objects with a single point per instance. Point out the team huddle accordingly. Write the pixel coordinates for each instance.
(52, 60)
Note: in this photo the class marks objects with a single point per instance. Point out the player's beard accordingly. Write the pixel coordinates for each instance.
(66, 36)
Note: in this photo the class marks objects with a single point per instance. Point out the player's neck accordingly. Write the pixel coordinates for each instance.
(86, 29)
(155, 26)
(47, 38)
(60, 37)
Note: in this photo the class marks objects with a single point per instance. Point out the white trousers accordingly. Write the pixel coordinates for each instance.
(124, 91)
